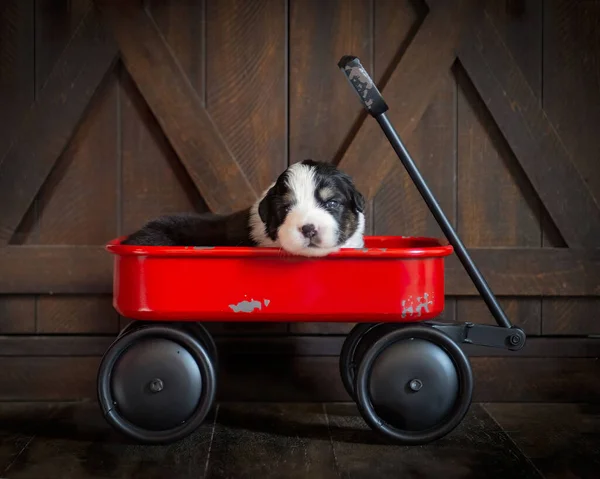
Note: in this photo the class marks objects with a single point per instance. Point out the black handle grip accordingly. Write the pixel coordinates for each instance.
(363, 85)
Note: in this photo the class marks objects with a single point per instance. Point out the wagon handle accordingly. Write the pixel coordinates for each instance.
(374, 103)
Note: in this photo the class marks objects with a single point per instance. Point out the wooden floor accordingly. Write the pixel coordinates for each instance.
(313, 441)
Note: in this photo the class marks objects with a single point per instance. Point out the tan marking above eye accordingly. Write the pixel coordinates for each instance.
(326, 193)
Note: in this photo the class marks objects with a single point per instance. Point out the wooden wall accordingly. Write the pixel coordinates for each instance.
(113, 115)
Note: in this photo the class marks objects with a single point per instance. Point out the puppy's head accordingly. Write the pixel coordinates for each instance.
(313, 209)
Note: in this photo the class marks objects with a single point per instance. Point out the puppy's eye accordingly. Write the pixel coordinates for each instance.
(332, 204)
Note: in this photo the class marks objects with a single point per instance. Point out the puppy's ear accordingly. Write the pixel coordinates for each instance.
(358, 200)
(264, 206)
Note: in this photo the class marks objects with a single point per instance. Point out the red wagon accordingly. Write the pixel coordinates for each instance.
(406, 371)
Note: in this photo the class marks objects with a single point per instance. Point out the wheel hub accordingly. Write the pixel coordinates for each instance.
(156, 384)
(414, 384)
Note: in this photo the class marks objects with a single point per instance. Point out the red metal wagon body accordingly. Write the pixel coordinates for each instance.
(391, 279)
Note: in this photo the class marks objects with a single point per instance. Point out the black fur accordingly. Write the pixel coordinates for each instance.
(194, 230)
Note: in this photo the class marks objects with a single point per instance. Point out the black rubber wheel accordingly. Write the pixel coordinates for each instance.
(362, 334)
(414, 385)
(198, 329)
(156, 383)
(346, 362)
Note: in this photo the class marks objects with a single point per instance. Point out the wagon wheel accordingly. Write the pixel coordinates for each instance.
(414, 385)
(156, 383)
(347, 361)
(198, 329)
(360, 338)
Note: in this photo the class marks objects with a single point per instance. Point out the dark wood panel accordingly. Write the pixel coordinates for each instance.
(76, 314)
(153, 181)
(321, 119)
(178, 109)
(571, 316)
(527, 272)
(571, 83)
(55, 269)
(55, 23)
(408, 92)
(246, 84)
(51, 122)
(523, 312)
(394, 26)
(17, 67)
(496, 204)
(572, 102)
(399, 208)
(54, 346)
(509, 271)
(533, 139)
(183, 25)
(48, 378)
(17, 314)
(77, 203)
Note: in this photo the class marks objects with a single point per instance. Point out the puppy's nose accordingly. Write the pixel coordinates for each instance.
(308, 231)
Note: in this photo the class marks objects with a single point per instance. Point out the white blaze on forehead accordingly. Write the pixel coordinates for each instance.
(302, 185)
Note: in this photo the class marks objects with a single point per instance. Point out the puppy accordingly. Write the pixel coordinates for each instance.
(312, 209)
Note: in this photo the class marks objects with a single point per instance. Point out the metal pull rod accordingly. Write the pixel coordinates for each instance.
(374, 103)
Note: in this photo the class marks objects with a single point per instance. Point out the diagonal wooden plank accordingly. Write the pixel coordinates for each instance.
(531, 135)
(50, 123)
(369, 158)
(510, 271)
(178, 109)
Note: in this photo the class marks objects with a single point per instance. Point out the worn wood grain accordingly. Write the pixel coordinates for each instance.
(509, 271)
(408, 92)
(496, 205)
(55, 269)
(17, 65)
(399, 207)
(530, 134)
(321, 118)
(178, 109)
(17, 314)
(55, 23)
(571, 316)
(55, 345)
(48, 378)
(572, 102)
(153, 181)
(72, 213)
(183, 25)
(572, 81)
(71, 210)
(51, 122)
(76, 315)
(246, 83)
